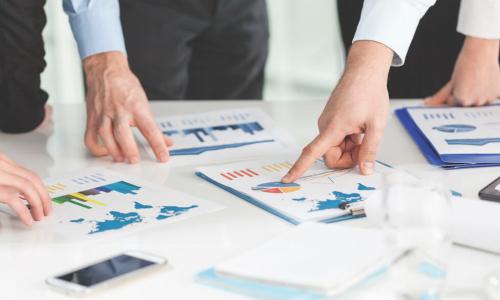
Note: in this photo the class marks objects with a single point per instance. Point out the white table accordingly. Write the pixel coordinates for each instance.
(27, 257)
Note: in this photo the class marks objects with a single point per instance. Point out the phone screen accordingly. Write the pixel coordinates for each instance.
(106, 270)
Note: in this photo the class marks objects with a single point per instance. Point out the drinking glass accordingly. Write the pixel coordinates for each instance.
(416, 213)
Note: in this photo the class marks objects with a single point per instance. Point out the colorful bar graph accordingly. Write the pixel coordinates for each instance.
(239, 173)
(277, 167)
(83, 198)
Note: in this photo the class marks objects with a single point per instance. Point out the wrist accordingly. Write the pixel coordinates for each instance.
(479, 46)
(105, 61)
(369, 59)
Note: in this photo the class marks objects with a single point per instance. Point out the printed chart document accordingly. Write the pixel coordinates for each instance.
(323, 258)
(221, 135)
(96, 201)
(322, 194)
(455, 135)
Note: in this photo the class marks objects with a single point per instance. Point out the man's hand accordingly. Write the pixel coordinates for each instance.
(358, 105)
(18, 183)
(476, 77)
(115, 103)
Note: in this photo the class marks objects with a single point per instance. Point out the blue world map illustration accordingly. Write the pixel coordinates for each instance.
(119, 220)
(339, 201)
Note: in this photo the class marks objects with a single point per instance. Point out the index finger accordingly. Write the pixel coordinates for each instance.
(153, 135)
(309, 155)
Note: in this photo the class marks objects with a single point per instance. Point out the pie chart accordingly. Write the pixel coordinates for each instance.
(277, 187)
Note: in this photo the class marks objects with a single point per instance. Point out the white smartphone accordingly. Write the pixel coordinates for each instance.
(100, 274)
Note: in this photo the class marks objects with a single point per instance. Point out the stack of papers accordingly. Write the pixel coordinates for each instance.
(311, 261)
(221, 136)
(455, 137)
(321, 195)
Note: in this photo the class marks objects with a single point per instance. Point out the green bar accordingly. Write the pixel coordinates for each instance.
(68, 198)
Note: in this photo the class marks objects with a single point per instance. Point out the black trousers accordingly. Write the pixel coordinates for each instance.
(431, 58)
(197, 49)
(22, 53)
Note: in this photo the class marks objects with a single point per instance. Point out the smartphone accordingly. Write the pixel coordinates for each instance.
(491, 192)
(98, 275)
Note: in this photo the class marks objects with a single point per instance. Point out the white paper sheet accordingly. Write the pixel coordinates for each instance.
(315, 196)
(98, 201)
(325, 258)
(221, 136)
(460, 130)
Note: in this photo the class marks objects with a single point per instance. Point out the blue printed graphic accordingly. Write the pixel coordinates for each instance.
(78, 221)
(473, 142)
(138, 205)
(200, 150)
(362, 187)
(340, 201)
(455, 128)
(172, 211)
(302, 199)
(118, 221)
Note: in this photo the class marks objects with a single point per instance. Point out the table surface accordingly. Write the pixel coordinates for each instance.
(27, 257)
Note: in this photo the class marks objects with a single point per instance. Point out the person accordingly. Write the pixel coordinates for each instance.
(22, 103)
(352, 123)
(431, 57)
(163, 50)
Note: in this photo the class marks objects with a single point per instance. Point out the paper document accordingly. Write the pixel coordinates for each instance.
(98, 201)
(320, 195)
(221, 136)
(319, 257)
(460, 130)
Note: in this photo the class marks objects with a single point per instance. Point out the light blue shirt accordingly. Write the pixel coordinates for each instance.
(96, 25)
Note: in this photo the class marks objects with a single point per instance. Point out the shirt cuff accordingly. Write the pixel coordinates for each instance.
(480, 18)
(392, 23)
(98, 29)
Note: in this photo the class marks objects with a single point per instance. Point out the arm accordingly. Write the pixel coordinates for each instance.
(392, 23)
(353, 121)
(476, 76)
(115, 99)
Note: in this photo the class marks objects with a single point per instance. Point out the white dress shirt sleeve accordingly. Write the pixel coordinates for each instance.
(480, 18)
(392, 23)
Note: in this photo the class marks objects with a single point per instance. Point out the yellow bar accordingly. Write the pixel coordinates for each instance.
(85, 198)
(285, 165)
(267, 168)
(275, 167)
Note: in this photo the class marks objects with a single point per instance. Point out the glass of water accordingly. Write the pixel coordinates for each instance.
(416, 218)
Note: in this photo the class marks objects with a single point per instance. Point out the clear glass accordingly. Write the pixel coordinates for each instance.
(416, 217)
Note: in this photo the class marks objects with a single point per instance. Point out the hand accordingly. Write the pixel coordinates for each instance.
(115, 103)
(16, 184)
(476, 77)
(358, 105)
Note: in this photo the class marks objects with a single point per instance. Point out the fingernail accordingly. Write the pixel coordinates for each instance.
(134, 160)
(368, 167)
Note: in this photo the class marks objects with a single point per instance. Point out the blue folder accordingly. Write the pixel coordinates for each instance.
(448, 161)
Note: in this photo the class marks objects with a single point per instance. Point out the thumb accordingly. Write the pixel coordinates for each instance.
(439, 98)
(368, 149)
